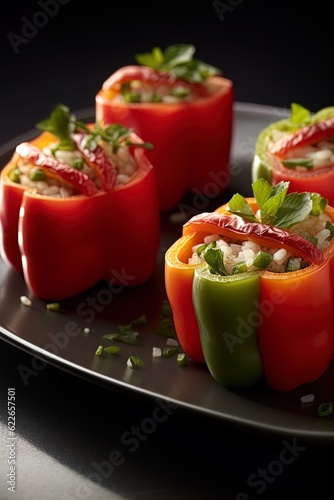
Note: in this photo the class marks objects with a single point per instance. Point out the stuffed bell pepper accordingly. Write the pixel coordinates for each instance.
(251, 288)
(184, 107)
(79, 205)
(298, 149)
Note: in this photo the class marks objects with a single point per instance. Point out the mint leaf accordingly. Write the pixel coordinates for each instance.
(238, 205)
(296, 207)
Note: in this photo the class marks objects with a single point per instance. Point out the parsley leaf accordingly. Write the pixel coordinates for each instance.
(215, 259)
(178, 59)
(276, 207)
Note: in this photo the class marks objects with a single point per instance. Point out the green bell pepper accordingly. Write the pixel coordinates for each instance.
(225, 304)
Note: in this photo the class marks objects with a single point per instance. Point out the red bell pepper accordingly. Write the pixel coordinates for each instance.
(191, 137)
(298, 149)
(256, 322)
(103, 231)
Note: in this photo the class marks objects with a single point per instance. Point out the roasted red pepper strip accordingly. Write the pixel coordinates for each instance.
(291, 316)
(66, 245)
(192, 140)
(304, 136)
(277, 157)
(98, 160)
(144, 74)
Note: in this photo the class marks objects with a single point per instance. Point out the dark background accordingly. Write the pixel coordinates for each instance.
(275, 52)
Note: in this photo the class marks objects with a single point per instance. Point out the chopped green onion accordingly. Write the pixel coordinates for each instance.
(77, 163)
(298, 162)
(132, 97)
(113, 349)
(99, 351)
(262, 260)
(182, 359)
(312, 239)
(168, 352)
(127, 337)
(135, 361)
(14, 175)
(325, 409)
(240, 267)
(205, 246)
(179, 92)
(37, 174)
(53, 306)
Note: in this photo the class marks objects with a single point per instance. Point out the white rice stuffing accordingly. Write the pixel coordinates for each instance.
(137, 91)
(123, 161)
(321, 153)
(237, 252)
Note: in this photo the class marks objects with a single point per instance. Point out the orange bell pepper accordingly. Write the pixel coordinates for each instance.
(103, 231)
(279, 325)
(192, 138)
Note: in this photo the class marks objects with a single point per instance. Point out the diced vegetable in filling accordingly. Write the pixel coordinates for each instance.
(27, 174)
(242, 256)
(308, 157)
(141, 92)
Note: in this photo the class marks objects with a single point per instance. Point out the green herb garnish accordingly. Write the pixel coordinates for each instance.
(205, 247)
(62, 124)
(276, 207)
(115, 134)
(178, 59)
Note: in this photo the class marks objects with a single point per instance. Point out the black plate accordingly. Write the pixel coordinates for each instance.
(59, 338)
